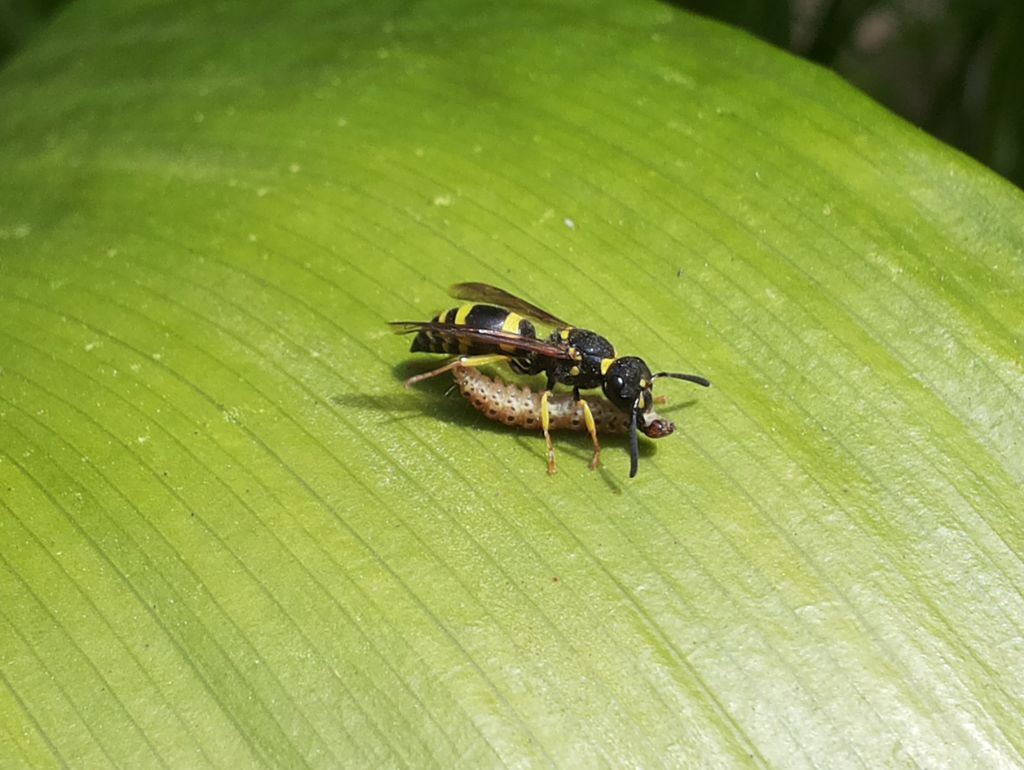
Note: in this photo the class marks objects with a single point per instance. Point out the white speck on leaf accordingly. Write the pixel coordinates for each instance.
(674, 76)
(18, 231)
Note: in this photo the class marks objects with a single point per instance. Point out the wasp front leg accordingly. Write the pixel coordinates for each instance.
(588, 417)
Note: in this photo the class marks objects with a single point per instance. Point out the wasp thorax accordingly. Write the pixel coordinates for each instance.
(588, 349)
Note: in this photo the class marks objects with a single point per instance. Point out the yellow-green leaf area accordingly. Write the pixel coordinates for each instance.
(231, 538)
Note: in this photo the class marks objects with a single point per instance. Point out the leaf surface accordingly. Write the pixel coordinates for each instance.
(231, 538)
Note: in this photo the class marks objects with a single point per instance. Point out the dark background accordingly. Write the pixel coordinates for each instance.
(948, 66)
(951, 67)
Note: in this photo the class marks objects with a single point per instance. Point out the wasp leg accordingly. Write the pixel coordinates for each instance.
(588, 417)
(484, 360)
(545, 422)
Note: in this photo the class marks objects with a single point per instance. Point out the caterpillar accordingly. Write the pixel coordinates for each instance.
(519, 406)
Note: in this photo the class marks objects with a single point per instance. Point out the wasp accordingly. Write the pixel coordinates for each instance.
(495, 327)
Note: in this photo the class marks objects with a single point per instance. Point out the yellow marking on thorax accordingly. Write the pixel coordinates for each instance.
(564, 334)
(606, 364)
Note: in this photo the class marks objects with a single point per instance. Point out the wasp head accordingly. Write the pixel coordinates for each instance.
(627, 384)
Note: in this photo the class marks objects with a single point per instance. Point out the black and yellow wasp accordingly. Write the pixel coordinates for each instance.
(494, 328)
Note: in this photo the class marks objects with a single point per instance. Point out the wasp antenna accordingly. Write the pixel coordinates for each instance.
(688, 377)
(634, 449)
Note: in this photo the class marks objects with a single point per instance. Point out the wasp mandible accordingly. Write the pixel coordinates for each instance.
(494, 327)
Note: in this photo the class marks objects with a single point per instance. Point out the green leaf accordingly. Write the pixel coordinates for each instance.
(230, 537)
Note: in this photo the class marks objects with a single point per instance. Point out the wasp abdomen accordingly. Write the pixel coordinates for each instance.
(474, 316)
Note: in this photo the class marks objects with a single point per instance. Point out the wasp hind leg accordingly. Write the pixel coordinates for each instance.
(482, 360)
(588, 417)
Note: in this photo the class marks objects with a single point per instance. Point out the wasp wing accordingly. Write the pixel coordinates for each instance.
(482, 292)
(461, 333)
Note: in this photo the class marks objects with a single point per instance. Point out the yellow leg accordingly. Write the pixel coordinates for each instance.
(484, 360)
(545, 422)
(592, 429)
